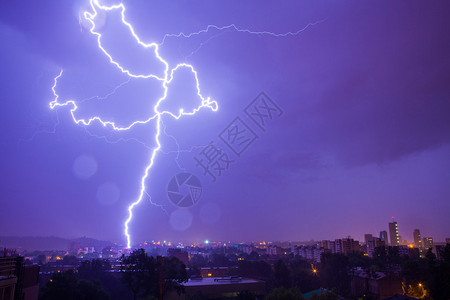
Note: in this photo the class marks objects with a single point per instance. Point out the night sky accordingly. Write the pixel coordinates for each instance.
(364, 133)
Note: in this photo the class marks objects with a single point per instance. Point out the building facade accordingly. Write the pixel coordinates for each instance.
(428, 242)
(417, 238)
(384, 236)
(393, 234)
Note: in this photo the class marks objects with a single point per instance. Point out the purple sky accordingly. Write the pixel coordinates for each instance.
(364, 135)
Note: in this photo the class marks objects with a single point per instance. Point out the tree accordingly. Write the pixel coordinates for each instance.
(148, 276)
(93, 268)
(281, 293)
(246, 295)
(197, 296)
(139, 273)
(394, 255)
(70, 260)
(439, 283)
(69, 286)
(302, 275)
(430, 256)
(97, 270)
(253, 256)
(173, 274)
(219, 260)
(325, 295)
(334, 272)
(255, 269)
(198, 261)
(281, 275)
(415, 271)
(418, 291)
(40, 259)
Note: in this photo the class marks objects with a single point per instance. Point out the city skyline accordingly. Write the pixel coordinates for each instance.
(417, 240)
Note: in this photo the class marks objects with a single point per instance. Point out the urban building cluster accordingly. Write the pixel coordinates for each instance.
(20, 271)
(17, 280)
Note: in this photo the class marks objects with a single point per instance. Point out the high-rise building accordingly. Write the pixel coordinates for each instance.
(417, 238)
(393, 234)
(338, 245)
(332, 246)
(349, 245)
(428, 242)
(325, 244)
(372, 244)
(367, 237)
(384, 236)
(17, 281)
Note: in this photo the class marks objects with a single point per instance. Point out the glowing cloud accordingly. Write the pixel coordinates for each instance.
(157, 114)
(165, 79)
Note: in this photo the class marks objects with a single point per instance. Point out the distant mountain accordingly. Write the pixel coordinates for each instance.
(90, 242)
(30, 243)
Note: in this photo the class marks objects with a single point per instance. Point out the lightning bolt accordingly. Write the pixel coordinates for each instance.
(165, 80)
(157, 114)
(237, 29)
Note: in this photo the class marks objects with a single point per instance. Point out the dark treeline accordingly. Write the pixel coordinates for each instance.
(424, 278)
(140, 277)
(143, 276)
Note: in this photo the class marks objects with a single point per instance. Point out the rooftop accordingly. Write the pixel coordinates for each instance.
(219, 281)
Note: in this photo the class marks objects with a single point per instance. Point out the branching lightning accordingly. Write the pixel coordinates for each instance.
(237, 29)
(157, 114)
(165, 80)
